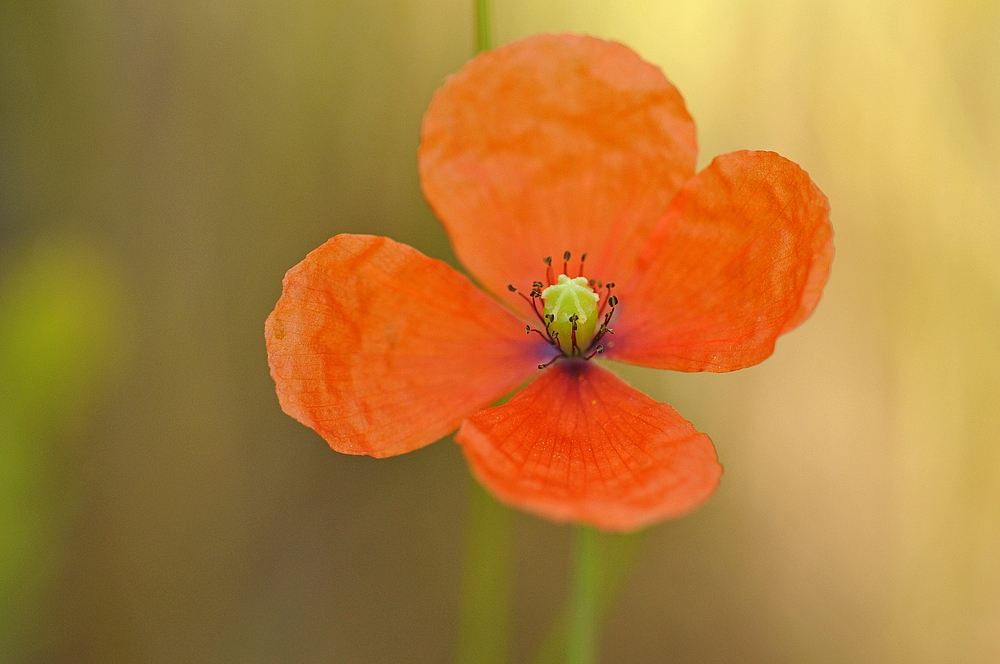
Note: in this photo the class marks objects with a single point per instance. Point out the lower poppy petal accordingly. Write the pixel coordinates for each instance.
(578, 444)
(740, 258)
(382, 350)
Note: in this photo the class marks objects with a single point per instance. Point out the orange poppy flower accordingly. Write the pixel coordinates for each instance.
(533, 155)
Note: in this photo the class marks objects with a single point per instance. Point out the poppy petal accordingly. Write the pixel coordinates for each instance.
(740, 258)
(578, 444)
(553, 143)
(382, 350)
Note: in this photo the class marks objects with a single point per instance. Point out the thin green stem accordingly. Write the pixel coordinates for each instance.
(616, 554)
(485, 610)
(581, 646)
(484, 26)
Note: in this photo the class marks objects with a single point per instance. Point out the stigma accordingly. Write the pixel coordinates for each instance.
(571, 309)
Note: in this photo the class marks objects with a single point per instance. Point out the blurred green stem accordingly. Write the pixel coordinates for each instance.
(484, 26)
(582, 636)
(614, 556)
(485, 609)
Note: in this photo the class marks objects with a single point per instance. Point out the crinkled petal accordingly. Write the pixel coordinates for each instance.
(382, 350)
(740, 258)
(553, 143)
(578, 444)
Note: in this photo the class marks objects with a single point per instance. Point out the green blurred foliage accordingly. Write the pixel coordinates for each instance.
(60, 337)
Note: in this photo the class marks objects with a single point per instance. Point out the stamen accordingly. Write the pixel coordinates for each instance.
(534, 305)
(548, 270)
(597, 351)
(548, 319)
(612, 302)
(535, 296)
(566, 257)
(553, 334)
(528, 330)
(607, 296)
(574, 349)
(552, 361)
(582, 259)
(604, 329)
(524, 297)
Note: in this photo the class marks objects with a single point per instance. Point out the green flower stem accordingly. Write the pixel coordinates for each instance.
(615, 553)
(485, 610)
(581, 643)
(484, 617)
(484, 26)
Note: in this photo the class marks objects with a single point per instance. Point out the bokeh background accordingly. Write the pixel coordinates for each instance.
(162, 163)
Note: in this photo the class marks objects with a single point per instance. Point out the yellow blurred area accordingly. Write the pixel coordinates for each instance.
(163, 163)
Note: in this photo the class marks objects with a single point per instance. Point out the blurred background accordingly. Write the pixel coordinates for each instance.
(162, 163)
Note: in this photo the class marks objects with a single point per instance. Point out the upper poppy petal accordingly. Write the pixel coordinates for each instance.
(553, 143)
(741, 257)
(382, 350)
(578, 444)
